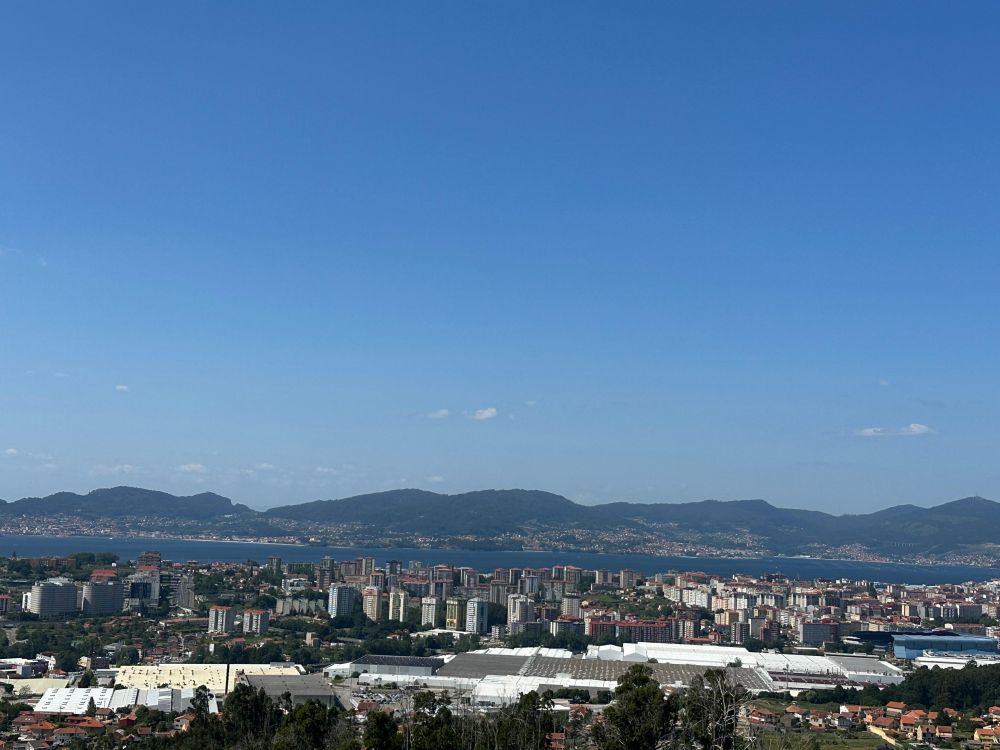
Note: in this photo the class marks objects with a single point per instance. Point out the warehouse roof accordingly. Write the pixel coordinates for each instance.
(300, 687)
(400, 661)
(480, 665)
(212, 676)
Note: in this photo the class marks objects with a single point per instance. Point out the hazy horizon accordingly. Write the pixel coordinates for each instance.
(684, 252)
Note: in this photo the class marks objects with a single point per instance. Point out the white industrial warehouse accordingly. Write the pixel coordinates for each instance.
(497, 675)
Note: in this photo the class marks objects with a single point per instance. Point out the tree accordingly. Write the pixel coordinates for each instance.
(91, 708)
(710, 713)
(381, 732)
(200, 703)
(251, 718)
(641, 717)
(433, 728)
(306, 727)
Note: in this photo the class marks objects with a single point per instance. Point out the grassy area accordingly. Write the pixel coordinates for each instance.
(823, 741)
(778, 706)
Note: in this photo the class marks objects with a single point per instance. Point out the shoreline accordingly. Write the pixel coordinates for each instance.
(300, 545)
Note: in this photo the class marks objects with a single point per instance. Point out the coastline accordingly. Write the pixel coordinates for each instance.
(787, 559)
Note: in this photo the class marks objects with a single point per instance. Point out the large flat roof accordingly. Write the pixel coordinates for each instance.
(400, 661)
(480, 665)
(308, 685)
(212, 676)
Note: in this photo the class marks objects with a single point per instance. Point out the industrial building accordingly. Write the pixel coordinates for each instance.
(912, 644)
(300, 688)
(76, 700)
(496, 675)
(387, 666)
(218, 678)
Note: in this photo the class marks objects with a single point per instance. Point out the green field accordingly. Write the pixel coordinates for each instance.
(821, 741)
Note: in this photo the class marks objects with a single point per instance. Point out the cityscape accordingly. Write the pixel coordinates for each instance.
(499, 376)
(103, 650)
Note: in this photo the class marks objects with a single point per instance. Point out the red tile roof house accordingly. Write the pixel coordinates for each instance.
(41, 730)
(183, 722)
(885, 722)
(931, 732)
(908, 722)
(894, 708)
(26, 719)
(987, 735)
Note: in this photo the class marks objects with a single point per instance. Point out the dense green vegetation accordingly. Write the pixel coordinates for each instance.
(970, 689)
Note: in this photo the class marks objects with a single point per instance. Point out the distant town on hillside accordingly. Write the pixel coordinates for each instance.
(959, 532)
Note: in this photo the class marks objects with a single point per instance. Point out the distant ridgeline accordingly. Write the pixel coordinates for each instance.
(478, 519)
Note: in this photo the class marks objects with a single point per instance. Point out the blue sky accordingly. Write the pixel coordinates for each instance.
(289, 252)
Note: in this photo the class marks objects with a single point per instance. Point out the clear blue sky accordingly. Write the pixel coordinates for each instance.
(292, 251)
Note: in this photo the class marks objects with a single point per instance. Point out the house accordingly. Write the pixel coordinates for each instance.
(841, 722)
(930, 732)
(91, 725)
(885, 723)
(42, 730)
(895, 708)
(761, 717)
(798, 712)
(986, 735)
(183, 722)
(65, 735)
(819, 718)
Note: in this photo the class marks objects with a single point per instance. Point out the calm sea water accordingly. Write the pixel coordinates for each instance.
(203, 551)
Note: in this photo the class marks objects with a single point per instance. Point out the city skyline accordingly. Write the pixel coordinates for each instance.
(686, 253)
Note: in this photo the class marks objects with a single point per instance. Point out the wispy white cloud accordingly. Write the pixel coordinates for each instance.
(910, 430)
(884, 382)
(113, 470)
(12, 452)
(531, 403)
(436, 479)
(121, 388)
(438, 414)
(193, 469)
(264, 467)
(487, 413)
(328, 471)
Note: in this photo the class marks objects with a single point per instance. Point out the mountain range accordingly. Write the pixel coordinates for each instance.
(479, 518)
